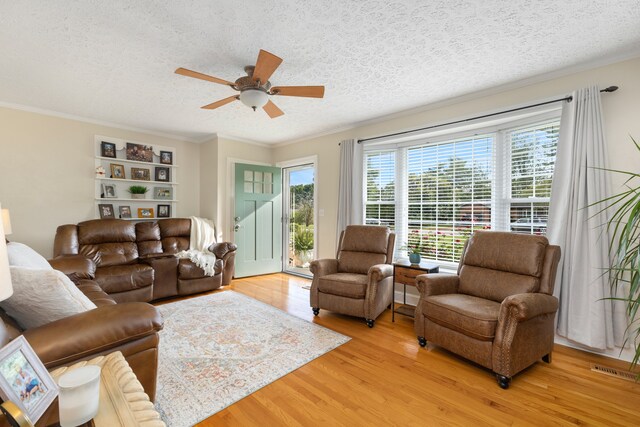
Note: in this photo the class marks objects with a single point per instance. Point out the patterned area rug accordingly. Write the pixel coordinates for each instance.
(217, 349)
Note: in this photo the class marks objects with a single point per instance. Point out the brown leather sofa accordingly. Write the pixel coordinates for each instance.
(136, 262)
(131, 328)
(360, 281)
(498, 311)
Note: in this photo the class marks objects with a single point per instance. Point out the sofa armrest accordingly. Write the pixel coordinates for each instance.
(79, 266)
(220, 250)
(379, 272)
(82, 335)
(522, 307)
(437, 284)
(322, 267)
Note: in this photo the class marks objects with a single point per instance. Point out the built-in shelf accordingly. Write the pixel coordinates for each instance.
(120, 199)
(137, 162)
(137, 181)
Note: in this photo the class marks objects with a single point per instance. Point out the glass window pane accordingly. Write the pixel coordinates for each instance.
(257, 176)
(248, 175)
(268, 188)
(248, 187)
(268, 177)
(257, 187)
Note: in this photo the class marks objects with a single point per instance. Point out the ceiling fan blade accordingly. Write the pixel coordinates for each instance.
(220, 103)
(266, 64)
(304, 91)
(197, 75)
(272, 110)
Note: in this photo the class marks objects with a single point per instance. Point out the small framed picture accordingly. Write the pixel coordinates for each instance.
(106, 211)
(139, 152)
(108, 149)
(162, 174)
(125, 211)
(166, 157)
(24, 380)
(109, 191)
(164, 211)
(163, 193)
(117, 171)
(145, 212)
(141, 174)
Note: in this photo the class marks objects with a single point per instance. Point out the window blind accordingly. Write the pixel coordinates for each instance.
(380, 184)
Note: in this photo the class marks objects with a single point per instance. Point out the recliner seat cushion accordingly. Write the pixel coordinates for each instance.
(344, 284)
(121, 278)
(469, 315)
(188, 270)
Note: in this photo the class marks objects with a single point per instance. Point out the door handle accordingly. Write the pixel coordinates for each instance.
(237, 218)
(236, 227)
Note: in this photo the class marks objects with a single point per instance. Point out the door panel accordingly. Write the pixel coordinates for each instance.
(258, 226)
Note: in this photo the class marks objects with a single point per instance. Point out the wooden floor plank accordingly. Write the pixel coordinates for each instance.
(383, 377)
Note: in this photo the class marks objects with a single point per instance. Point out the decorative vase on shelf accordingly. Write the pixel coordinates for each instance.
(138, 196)
(414, 258)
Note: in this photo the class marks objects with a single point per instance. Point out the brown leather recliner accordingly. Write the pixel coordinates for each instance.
(131, 328)
(498, 311)
(360, 281)
(136, 262)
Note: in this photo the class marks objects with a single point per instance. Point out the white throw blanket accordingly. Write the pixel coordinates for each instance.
(203, 235)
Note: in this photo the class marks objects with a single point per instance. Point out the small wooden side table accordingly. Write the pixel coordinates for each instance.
(405, 273)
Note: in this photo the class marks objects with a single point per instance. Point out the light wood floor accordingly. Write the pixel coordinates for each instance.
(382, 377)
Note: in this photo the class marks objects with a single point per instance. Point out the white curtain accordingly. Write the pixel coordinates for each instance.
(579, 228)
(350, 185)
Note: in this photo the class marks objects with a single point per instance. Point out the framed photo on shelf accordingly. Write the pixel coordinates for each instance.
(145, 212)
(125, 211)
(166, 157)
(162, 174)
(108, 149)
(163, 193)
(109, 191)
(24, 380)
(117, 171)
(164, 211)
(106, 211)
(141, 174)
(139, 152)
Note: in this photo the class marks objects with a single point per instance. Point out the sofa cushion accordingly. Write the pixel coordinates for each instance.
(469, 315)
(344, 284)
(41, 296)
(121, 278)
(188, 270)
(148, 238)
(21, 255)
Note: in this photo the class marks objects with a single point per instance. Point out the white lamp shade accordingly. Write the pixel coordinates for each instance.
(6, 290)
(6, 221)
(254, 98)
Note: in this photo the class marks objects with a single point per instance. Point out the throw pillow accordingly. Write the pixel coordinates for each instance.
(21, 255)
(41, 296)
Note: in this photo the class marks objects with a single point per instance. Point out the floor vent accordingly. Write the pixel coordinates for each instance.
(618, 373)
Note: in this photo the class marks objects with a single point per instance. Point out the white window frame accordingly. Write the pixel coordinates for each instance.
(501, 185)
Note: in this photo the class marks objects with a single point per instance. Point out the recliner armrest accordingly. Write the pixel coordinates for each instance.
(323, 267)
(437, 284)
(220, 250)
(523, 307)
(379, 272)
(79, 266)
(84, 334)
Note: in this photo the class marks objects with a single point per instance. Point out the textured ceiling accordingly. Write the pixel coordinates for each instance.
(114, 61)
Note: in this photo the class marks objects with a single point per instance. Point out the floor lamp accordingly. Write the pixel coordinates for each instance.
(12, 413)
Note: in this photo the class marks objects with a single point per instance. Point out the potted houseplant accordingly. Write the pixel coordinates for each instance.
(303, 245)
(624, 248)
(414, 247)
(138, 191)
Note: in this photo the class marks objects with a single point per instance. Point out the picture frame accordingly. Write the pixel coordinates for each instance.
(145, 212)
(166, 157)
(163, 193)
(106, 211)
(164, 211)
(141, 174)
(24, 380)
(117, 171)
(139, 152)
(108, 149)
(162, 174)
(109, 191)
(125, 211)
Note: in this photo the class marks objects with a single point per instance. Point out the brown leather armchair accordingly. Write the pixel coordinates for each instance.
(360, 281)
(498, 311)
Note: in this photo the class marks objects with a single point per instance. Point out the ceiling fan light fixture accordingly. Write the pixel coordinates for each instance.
(254, 98)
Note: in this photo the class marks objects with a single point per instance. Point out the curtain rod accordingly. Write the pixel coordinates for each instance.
(566, 98)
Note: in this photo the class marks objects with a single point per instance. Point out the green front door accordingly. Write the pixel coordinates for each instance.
(258, 220)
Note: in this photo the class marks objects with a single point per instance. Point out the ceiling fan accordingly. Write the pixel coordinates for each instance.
(255, 88)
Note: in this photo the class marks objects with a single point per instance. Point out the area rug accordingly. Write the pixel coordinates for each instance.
(217, 349)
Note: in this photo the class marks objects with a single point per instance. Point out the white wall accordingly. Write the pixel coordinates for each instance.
(47, 173)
